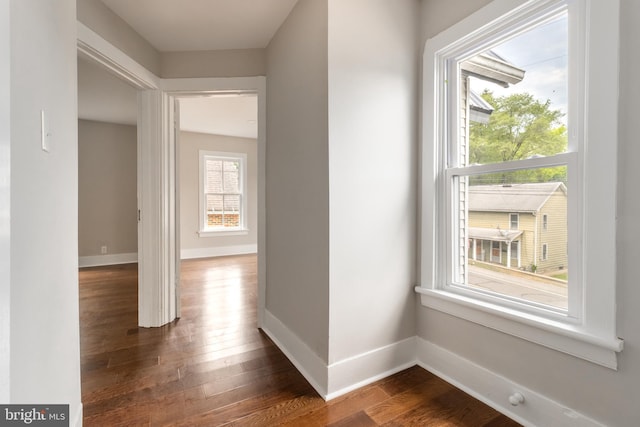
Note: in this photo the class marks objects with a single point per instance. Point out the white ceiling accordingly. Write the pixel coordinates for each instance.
(221, 115)
(187, 25)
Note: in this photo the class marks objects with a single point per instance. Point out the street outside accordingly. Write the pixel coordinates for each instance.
(534, 289)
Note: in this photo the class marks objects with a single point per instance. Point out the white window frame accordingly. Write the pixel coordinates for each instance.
(222, 231)
(589, 331)
(545, 221)
(545, 252)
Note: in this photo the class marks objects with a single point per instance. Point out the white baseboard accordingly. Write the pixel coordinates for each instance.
(77, 419)
(494, 390)
(346, 375)
(358, 371)
(218, 251)
(111, 259)
(310, 365)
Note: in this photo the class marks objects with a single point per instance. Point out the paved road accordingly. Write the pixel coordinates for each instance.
(521, 287)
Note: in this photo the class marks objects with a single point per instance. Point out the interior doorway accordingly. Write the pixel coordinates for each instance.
(107, 167)
(217, 182)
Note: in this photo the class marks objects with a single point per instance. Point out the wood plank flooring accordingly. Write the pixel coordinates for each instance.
(214, 368)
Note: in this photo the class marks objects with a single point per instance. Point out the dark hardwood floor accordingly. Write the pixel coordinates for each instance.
(214, 368)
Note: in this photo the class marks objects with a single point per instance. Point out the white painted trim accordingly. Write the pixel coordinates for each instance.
(310, 365)
(5, 202)
(494, 390)
(95, 47)
(178, 88)
(553, 334)
(77, 419)
(261, 84)
(220, 233)
(111, 259)
(357, 371)
(339, 378)
(218, 251)
(157, 239)
(203, 156)
(588, 330)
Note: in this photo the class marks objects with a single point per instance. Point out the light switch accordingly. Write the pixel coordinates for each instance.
(44, 132)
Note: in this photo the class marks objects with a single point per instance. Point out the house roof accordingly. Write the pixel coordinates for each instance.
(479, 109)
(494, 234)
(529, 197)
(492, 67)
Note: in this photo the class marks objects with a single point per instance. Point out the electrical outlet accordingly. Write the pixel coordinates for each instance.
(103, 250)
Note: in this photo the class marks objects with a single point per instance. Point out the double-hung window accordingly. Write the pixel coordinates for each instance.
(520, 115)
(222, 192)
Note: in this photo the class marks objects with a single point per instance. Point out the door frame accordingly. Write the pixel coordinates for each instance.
(158, 226)
(176, 89)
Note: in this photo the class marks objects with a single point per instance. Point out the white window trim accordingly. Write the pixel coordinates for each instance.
(545, 252)
(228, 231)
(592, 334)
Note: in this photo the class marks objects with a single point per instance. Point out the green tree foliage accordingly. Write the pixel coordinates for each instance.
(520, 127)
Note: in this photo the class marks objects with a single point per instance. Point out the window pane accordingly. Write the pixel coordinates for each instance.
(214, 211)
(213, 179)
(231, 203)
(232, 181)
(516, 97)
(214, 203)
(527, 263)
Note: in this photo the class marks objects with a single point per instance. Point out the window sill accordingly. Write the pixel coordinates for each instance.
(564, 337)
(228, 232)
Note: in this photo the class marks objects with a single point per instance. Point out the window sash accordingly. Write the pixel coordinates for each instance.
(224, 157)
(590, 334)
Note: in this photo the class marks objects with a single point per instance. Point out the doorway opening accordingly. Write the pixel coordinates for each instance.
(217, 179)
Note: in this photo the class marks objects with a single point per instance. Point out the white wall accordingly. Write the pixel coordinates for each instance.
(45, 355)
(605, 395)
(107, 189)
(213, 63)
(5, 175)
(341, 176)
(297, 176)
(104, 97)
(191, 244)
(373, 78)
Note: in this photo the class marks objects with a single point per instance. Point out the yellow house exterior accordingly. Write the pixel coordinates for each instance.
(519, 225)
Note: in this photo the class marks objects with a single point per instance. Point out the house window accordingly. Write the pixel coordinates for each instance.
(513, 221)
(501, 136)
(545, 221)
(222, 192)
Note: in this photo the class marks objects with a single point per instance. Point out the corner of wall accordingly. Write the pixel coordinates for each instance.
(95, 15)
(310, 365)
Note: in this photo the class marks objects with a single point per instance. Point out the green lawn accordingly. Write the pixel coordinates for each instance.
(561, 276)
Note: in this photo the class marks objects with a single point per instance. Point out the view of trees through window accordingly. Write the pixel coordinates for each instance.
(515, 96)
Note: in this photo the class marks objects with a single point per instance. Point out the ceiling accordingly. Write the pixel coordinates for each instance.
(187, 25)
